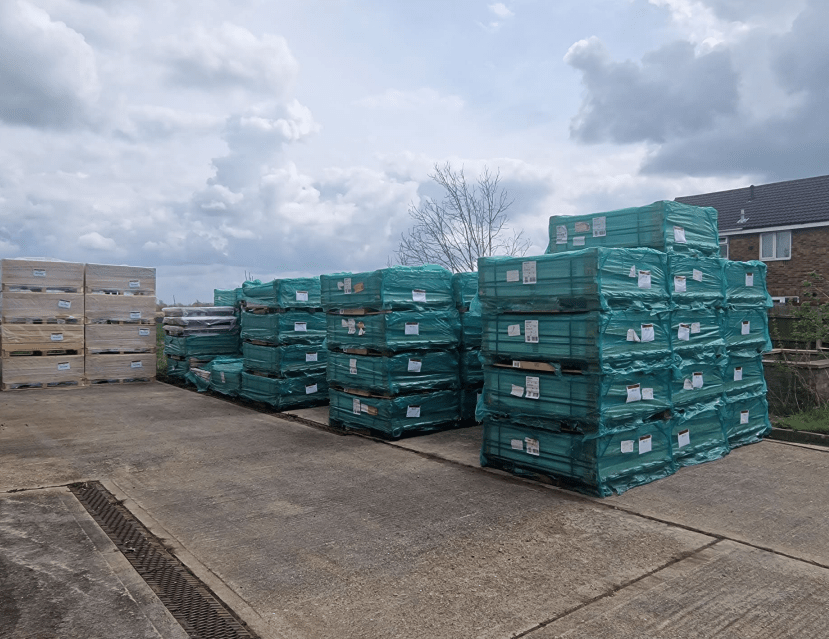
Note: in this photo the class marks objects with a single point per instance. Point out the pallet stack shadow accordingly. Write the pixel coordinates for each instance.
(392, 336)
(41, 324)
(283, 329)
(194, 336)
(465, 291)
(120, 324)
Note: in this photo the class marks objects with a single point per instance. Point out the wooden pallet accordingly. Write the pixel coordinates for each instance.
(124, 351)
(69, 385)
(40, 288)
(54, 321)
(137, 380)
(135, 322)
(22, 352)
(115, 291)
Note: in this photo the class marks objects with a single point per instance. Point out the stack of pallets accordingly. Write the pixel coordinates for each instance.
(465, 291)
(195, 335)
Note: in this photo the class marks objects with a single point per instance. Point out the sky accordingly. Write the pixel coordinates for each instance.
(223, 139)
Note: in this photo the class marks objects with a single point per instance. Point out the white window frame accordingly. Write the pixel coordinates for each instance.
(724, 245)
(774, 235)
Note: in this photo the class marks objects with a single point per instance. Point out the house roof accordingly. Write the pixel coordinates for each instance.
(791, 203)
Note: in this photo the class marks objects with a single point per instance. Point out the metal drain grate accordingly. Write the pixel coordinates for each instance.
(198, 611)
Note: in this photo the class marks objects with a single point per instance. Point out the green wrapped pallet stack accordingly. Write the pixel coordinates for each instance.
(393, 338)
(465, 291)
(195, 335)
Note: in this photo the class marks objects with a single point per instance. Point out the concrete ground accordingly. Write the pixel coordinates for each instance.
(306, 533)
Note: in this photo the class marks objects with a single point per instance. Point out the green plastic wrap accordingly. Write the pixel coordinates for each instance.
(664, 226)
(288, 360)
(417, 288)
(745, 418)
(394, 374)
(599, 465)
(464, 288)
(395, 331)
(603, 341)
(589, 403)
(593, 279)
(472, 370)
(697, 436)
(744, 375)
(208, 346)
(695, 282)
(394, 416)
(745, 284)
(468, 403)
(471, 325)
(696, 334)
(286, 393)
(696, 382)
(226, 375)
(746, 331)
(297, 292)
(177, 368)
(289, 327)
(224, 297)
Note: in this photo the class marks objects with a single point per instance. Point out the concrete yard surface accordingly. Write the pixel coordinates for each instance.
(308, 533)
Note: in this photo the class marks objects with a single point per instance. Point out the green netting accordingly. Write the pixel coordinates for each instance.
(601, 465)
(202, 345)
(289, 360)
(394, 374)
(744, 375)
(297, 292)
(395, 331)
(290, 327)
(464, 288)
(745, 284)
(605, 341)
(593, 279)
(697, 436)
(746, 331)
(288, 392)
(472, 371)
(590, 402)
(695, 281)
(745, 418)
(695, 333)
(697, 382)
(416, 288)
(394, 416)
(664, 225)
(471, 325)
(468, 403)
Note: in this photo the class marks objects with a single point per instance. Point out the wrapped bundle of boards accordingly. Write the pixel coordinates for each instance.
(392, 336)
(465, 291)
(196, 335)
(283, 328)
(611, 366)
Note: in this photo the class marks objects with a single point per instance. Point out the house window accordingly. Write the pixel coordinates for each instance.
(724, 247)
(776, 246)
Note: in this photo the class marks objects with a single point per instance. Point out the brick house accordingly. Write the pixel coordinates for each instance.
(785, 224)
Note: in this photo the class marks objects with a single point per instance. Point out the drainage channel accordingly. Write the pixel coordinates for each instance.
(192, 604)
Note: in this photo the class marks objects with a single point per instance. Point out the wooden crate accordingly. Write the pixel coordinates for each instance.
(42, 372)
(139, 309)
(107, 367)
(120, 338)
(41, 275)
(41, 338)
(138, 280)
(30, 307)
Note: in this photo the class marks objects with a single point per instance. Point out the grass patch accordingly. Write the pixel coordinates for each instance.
(814, 421)
(161, 358)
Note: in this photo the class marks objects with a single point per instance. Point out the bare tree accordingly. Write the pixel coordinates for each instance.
(470, 222)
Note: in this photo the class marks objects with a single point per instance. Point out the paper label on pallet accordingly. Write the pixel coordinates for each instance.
(738, 373)
(518, 391)
(697, 275)
(311, 357)
(418, 295)
(136, 365)
(135, 283)
(647, 394)
(516, 363)
(514, 330)
(533, 447)
(351, 325)
(745, 328)
(648, 333)
(599, 226)
(135, 314)
(300, 327)
(634, 394)
(57, 337)
(582, 227)
(533, 390)
(644, 279)
(302, 296)
(696, 380)
(695, 328)
(352, 366)
(355, 406)
(561, 234)
(344, 323)
(412, 328)
(679, 235)
(347, 286)
(744, 417)
(683, 438)
(143, 332)
(578, 240)
(413, 411)
(64, 304)
(684, 332)
(686, 384)
(679, 284)
(38, 272)
(531, 331)
(513, 276)
(517, 444)
(63, 366)
(310, 390)
(749, 279)
(632, 271)
(627, 446)
(632, 336)
(645, 444)
(415, 365)
(528, 272)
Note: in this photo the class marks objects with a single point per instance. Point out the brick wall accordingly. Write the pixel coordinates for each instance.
(810, 252)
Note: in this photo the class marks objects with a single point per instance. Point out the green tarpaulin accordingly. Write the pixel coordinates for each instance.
(745, 284)
(745, 418)
(286, 393)
(395, 331)
(472, 371)
(464, 288)
(288, 360)
(695, 333)
(697, 436)
(746, 331)
(394, 374)
(743, 375)
(696, 282)
(697, 382)
(208, 346)
(416, 288)
(290, 327)
(298, 292)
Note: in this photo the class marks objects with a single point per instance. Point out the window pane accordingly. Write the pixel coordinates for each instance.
(784, 244)
(724, 248)
(766, 245)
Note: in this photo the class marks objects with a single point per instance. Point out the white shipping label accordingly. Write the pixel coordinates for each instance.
(413, 411)
(516, 363)
(135, 314)
(578, 240)
(695, 328)
(300, 327)
(644, 279)
(745, 328)
(697, 275)
(648, 333)
(418, 295)
(63, 366)
(645, 444)
(696, 380)
(647, 394)
(347, 286)
(514, 330)
(310, 390)
(311, 357)
(355, 406)
(364, 407)
(679, 284)
(582, 227)
(684, 332)
(561, 234)
(57, 337)
(136, 365)
(632, 335)
(744, 417)
(517, 444)
(412, 328)
(749, 279)
(64, 304)
(302, 296)
(687, 385)
(683, 438)
(352, 366)
(531, 331)
(352, 326)
(679, 235)
(135, 283)
(518, 391)
(738, 373)
(143, 332)
(533, 447)
(627, 445)
(599, 226)
(345, 323)
(415, 365)
(38, 272)
(222, 376)
(528, 272)
(513, 276)
(634, 394)
(632, 271)
(532, 388)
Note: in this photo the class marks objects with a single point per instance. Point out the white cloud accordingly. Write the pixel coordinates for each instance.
(500, 10)
(423, 99)
(97, 242)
